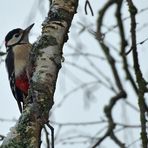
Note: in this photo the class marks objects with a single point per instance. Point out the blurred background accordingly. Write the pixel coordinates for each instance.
(85, 83)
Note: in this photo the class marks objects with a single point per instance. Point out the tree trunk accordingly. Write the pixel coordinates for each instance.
(46, 57)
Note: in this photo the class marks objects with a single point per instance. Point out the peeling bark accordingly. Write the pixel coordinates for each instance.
(46, 57)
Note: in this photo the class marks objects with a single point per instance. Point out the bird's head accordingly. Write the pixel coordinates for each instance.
(17, 36)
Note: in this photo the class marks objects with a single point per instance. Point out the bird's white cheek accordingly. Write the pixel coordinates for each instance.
(13, 41)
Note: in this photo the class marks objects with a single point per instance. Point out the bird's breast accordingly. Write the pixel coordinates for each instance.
(21, 58)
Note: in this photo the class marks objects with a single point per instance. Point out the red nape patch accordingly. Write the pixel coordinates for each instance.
(22, 83)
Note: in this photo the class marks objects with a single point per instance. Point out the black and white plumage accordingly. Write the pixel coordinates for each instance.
(11, 75)
(18, 50)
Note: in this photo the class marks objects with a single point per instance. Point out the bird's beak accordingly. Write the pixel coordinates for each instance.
(27, 30)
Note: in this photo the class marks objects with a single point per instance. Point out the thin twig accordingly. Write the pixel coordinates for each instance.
(52, 134)
(2, 137)
(47, 139)
(87, 5)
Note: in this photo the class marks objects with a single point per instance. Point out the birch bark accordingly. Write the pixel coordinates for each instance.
(46, 57)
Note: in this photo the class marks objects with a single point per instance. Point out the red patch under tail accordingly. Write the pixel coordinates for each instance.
(22, 83)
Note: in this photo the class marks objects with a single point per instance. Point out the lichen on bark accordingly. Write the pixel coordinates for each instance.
(46, 58)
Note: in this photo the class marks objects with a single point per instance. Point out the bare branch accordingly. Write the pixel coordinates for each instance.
(140, 80)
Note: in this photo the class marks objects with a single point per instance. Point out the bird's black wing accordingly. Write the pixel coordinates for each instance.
(11, 75)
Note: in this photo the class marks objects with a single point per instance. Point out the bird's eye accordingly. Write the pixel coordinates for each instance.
(16, 35)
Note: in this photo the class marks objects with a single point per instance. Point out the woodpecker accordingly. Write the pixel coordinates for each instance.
(18, 49)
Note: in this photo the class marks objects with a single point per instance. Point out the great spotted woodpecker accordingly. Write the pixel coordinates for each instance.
(18, 49)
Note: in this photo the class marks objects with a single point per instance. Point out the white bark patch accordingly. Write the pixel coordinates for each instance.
(61, 4)
(50, 56)
(46, 64)
(59, 26)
